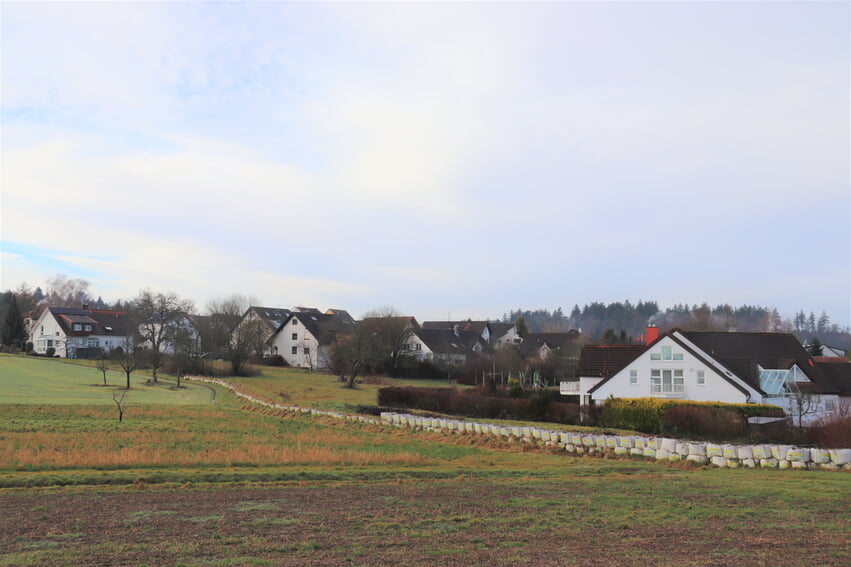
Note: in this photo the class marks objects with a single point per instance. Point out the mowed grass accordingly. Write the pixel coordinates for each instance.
(36, 380)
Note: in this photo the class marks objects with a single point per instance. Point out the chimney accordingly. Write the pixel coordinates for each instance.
(456, 329)
(651, 333)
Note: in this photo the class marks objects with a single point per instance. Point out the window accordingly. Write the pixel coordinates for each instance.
(666, 354)
(91, 343)
(667, 381)
(633, 376)
(418, 347)
(306, 350)
(701, 378)
(78, 327)
(49, 343)
(88, 328)
(295, 336)
(295, 350)
(295, 322)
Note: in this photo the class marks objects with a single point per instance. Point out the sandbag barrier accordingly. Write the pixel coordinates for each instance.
(658, 448)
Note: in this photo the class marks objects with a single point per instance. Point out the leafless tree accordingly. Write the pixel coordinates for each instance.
(127, 357)
(103, 365)
(159, 315)
(63, 291)
(118, 396)
(355, 351)
(391, 333)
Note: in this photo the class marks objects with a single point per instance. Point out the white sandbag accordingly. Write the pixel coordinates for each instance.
(699, 459)
(798, 465)
(761, 452)
(840, 456)
(611, 441)
(569, 447)
(744, 452)
(564, 438)
(675, 457)
(580, 450)
(719, 461)
(669, 445)
(600, 441)
(798, 455)
(636, 452)
(639, 442)
(662, 454)
(682, 448)
(829, 466)
(732, 464)
(784, 464)
(537, 433)
(768, 463)
(621, 451)
(750, 463)
(697, 449)
(779, 451)
(649, 452)
(652, 442)
(588, 441)
(576, 438)
(729, 452)
(625, 442)
(820, 456)
(713, 450)
(477, 428)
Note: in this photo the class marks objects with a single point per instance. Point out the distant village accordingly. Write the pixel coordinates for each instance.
(693, 360)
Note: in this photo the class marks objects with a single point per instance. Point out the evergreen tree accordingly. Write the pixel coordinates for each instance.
(816, 347)
(13, 325)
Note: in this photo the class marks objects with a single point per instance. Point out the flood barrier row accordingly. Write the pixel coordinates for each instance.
(658, 448)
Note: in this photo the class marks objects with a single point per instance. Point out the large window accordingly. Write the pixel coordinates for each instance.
(666, 353)
(667, 381)
(633, 376)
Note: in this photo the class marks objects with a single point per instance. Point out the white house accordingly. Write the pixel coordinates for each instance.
(78, 333)
(304, 339)
(769, 368)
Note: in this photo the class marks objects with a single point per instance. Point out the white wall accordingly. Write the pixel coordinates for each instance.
(715, 387)
(284, 344)
(47, 333)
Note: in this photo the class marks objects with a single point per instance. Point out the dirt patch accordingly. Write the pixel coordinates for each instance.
(430, 523)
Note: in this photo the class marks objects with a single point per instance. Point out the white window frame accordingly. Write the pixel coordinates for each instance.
(633, 377)
(668, 381)
(701, 378)
(294, 336)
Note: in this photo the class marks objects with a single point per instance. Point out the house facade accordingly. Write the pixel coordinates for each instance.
(452, 347)
(304, 339)
(728, 367)
(78, 333)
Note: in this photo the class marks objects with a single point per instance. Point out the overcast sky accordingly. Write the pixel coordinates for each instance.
(450, 160)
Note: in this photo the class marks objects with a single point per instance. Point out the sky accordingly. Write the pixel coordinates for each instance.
(450, 160)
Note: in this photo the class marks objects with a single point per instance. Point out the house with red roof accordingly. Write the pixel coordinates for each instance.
(79, 333)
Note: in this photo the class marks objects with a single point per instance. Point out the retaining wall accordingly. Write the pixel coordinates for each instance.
(658, 448)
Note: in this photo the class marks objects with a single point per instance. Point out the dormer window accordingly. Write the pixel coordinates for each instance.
(88, 328)
(78, 327)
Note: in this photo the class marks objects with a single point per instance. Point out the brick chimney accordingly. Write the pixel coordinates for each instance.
(651, 334)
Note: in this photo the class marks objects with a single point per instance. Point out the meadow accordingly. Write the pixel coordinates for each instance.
(228, 483)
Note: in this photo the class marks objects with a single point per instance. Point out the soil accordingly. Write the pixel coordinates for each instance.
(412, 523)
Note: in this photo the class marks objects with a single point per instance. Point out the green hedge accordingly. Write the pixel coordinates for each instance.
(652, 415)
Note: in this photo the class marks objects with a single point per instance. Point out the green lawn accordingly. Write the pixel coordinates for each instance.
(35, 380)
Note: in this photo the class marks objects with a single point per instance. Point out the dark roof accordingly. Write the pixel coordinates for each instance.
(446, 341)
(745, 353)
(604, 361)
(838, 371)
(103, 322)
(468, 325)
(272, 316)
(341, 313)
(499, 329)
(323, 326)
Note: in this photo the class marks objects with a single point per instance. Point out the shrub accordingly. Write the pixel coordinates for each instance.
(832, 432)
(50, 352)
(275, 360)
(704, 422)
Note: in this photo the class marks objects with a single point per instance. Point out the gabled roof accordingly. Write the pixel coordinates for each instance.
(341, 313)
(838, 371)
(499, 330)
(322, 326)
(272, 316)
(446, 341)
(604, 361)
(103, 322)
(468, 325)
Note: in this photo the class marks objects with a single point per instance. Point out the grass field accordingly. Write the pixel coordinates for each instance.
(232, 484)
(36, 380)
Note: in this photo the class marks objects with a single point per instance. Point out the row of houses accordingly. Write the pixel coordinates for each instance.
(729, 367)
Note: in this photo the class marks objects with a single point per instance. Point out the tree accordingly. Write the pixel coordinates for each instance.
(230, 329)
(522, 328)
(118, 396)
(391, 332)
(816, 347)
(103, 366)
(159, 315)
(127, 357)
(63, 291)
(354, 351)
(13, 330)
(823, 324)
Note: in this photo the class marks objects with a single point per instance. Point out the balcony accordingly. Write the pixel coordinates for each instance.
(569, 388)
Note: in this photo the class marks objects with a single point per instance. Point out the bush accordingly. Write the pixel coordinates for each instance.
(275, 360)
(649, 415)
(50, 352)
(832, 432)
(704, 422)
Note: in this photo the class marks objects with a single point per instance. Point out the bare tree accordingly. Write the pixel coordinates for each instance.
(63, 291)
(127, 357)
(118, 396)
(103, 365)
(159, 315)
(355, 351)
(391, 332)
